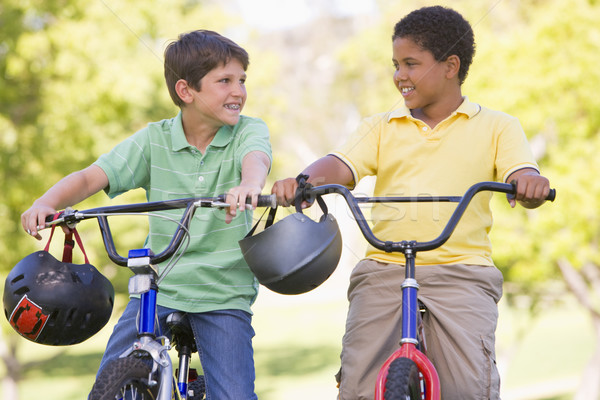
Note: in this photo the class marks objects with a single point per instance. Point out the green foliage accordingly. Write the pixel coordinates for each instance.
(78, 78)
(545, 73)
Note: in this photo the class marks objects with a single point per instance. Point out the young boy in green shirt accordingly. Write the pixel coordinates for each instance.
(208, 149)
(438, 144)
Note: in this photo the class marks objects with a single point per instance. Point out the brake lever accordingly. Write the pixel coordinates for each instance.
(67, 217)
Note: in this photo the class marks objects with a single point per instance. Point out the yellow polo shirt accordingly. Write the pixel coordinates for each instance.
(409, 158)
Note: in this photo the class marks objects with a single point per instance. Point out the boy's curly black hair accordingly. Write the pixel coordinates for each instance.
(443, 32)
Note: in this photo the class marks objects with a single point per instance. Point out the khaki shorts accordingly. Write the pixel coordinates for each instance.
(459, 325)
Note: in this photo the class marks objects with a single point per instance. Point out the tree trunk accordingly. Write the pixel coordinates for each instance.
(581, 283)
(13, 368)
(589, 388)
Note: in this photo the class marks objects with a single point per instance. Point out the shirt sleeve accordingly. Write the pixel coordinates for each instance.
(513, 150)
(127, 165)
(361, 151)
(253, 136)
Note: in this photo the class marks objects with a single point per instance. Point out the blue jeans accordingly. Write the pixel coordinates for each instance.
(224, 341)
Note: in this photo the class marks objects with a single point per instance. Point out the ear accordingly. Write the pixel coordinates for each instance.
(184, 92)
(452, 66)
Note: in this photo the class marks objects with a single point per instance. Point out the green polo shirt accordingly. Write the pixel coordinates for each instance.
(211, 274)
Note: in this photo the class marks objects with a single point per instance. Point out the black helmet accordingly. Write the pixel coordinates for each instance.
(56, 303)
(296, 254)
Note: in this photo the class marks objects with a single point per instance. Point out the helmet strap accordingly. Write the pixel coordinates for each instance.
(69, 244)
(268, 222)
(322, 205)
(303, 194)
(303, 187)
(319, 199)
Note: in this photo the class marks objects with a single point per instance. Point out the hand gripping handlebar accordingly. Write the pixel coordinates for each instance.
(71, 217)
(402, 246)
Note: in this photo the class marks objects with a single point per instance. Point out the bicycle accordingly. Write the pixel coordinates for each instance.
(408, 374)
(145, 371)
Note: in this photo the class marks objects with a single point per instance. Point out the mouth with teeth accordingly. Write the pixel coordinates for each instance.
(407, 90)
(234, 107)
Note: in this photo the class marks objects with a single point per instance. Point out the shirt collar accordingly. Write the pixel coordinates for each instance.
(221, 139)
(467, 108)
(223, 136)
(179, 142)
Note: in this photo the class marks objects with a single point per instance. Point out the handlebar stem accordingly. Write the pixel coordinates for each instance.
(109, 243)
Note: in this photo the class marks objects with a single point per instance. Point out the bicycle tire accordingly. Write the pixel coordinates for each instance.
(403, 382)
(124, 378)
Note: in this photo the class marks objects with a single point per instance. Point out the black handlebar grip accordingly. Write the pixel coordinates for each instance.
(265, 200)
(551, 195)
(52, 217)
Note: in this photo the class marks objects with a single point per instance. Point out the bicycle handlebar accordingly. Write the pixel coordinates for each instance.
(71, 217)
(414, 246)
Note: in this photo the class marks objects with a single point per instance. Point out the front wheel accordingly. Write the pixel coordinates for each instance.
(403, 381)
(124, 378)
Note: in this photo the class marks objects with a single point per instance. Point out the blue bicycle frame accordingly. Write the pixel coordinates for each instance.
(143, 283)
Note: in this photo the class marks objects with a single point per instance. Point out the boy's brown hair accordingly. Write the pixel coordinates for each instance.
(196, 53)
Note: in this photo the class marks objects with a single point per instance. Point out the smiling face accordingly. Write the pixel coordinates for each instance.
(418, 76)
(222, 95)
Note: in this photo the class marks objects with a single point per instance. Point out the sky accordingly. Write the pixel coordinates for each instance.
(278, 14)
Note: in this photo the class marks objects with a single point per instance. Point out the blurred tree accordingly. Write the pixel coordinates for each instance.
(77, 77)
(544, 70)
(21, 106)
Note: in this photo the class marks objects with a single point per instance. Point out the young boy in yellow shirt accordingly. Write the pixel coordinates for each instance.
(438, 144)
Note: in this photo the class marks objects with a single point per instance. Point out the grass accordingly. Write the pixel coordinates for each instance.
(552, 352)
(297, 348)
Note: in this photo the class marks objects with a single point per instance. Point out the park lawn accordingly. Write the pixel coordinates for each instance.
(297, 348)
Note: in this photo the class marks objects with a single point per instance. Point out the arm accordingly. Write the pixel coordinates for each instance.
(255, 167)
(70, 190)
(326, 170)
(532, 188)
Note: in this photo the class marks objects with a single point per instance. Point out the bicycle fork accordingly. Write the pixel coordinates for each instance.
(143, 283)
(409, 341)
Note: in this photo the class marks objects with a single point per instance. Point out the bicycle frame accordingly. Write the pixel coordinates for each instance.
(144, 281)
(408, 343)
(410, 309)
